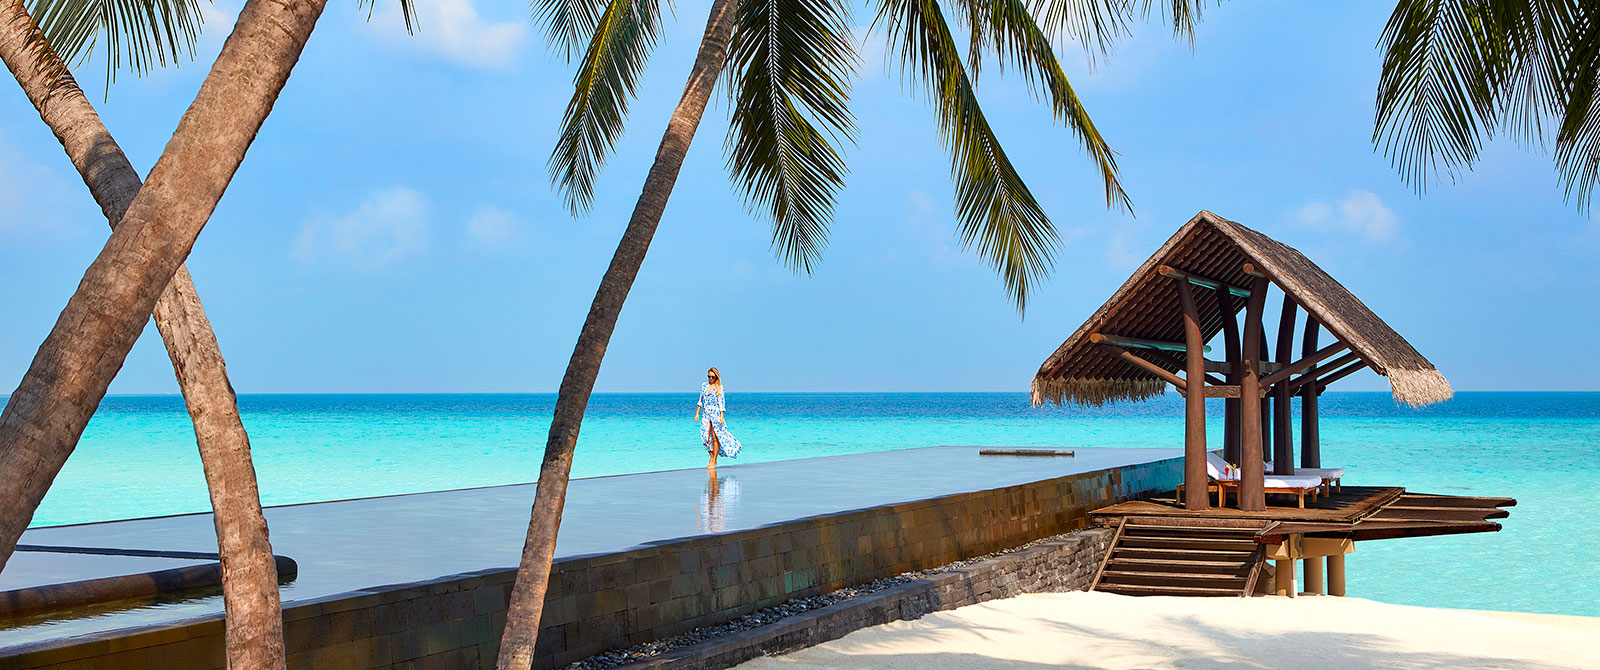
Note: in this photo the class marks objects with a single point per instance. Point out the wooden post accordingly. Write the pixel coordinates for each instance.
(1230, 406)
(1196, 496)
(1285, 577)
(1314, 574)
(1282, 421)
(1251, 495)
(1310, 440)
(1266, 400)
(1336, 575)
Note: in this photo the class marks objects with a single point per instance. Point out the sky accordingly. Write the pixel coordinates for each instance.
(393, 228)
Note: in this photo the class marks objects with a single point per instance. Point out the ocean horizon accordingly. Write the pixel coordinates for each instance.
(138, 459)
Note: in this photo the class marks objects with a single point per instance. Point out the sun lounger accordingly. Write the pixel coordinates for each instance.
(1330, 476)
(1223, 479)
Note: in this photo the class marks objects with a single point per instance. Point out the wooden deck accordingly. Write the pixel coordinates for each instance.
(1352, 504)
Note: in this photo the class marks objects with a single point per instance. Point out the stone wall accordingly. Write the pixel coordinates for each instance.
(1065, 564)
(601, 602)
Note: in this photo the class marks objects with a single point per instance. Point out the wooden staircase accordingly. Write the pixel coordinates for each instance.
(1152, 556)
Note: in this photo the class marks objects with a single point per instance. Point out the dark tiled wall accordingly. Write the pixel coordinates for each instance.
(606, 601)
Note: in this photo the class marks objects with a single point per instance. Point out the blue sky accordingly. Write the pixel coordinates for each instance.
(393, 228)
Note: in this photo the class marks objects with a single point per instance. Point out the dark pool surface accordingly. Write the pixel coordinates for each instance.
(354, 544)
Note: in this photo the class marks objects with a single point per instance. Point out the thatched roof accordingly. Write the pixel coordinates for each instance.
(1147, 307)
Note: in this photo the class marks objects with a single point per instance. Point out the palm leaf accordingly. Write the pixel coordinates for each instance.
(568, 24)
(607, 79)
(790, 64)
(995, 211)
(1456, 72)
(139, 33)
(1098, 24)
(1018, 39)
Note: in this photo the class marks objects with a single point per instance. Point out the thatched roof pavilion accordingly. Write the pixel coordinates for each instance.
(1191, 290)
(1147, 307)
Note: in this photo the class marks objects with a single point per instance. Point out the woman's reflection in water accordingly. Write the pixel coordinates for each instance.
(718, 503)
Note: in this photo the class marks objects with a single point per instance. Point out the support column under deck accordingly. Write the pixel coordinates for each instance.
(1336, 575)
(1314, 580)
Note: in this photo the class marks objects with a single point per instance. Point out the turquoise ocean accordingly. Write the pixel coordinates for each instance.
(138, 459)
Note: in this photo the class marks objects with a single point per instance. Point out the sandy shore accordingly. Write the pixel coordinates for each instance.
(1101, 630)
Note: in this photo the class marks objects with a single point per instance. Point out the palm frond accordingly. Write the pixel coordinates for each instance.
(1097, 25)
(568, 24)
(1456, 72)
(789, 70)
(1018, 39)
(408, 12)
(606, 81)
(1577, 153)
(995, 211)
(140, 34)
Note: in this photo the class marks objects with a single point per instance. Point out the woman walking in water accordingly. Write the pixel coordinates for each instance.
(713, 429)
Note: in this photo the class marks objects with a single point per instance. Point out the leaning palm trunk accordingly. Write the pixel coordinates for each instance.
(46, 415)
(538, 552)
(249, 576)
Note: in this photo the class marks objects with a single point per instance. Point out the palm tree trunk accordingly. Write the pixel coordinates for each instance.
(533, 575)
(249, 576)
(46, 415)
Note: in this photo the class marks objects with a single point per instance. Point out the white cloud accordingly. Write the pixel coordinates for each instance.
(1360, 212)
(391, 225)
(453, 29)
(492, 227)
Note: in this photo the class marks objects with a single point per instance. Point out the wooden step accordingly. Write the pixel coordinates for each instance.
(1235, 582)
(1143, 529)
(1183, 566)
(1153, 542)
(1144, 590)
(1170, 554)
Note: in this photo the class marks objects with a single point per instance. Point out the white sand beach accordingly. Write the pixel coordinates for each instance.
(1084, 630)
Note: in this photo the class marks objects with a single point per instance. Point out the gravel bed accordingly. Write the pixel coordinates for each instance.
(762, 617)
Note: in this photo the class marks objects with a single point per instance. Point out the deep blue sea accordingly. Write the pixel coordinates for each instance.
(138, 458)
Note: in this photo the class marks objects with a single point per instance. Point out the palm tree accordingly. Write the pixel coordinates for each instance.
(1456, 72)
(254, 625)
(792, 62)
(250, 579)
(155, 230)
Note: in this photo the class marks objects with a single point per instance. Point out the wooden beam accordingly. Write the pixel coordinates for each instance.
(1287, 370)
(1252, 270)
(1301, 381)
(1197, 280)
(1136, 343)
(1163, 358)
(1282, 421)
(1339, 374)
(1196, 495)
(1235, 370)
(1152, 368)
(1310, 437)
(1251, 495)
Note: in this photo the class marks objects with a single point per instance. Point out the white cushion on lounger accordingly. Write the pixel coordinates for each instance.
(1291, 482)
(1325, 473)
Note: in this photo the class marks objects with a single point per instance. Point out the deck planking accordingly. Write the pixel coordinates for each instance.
(1352, 504)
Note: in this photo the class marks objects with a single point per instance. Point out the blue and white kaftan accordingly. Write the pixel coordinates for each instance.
(711, 408)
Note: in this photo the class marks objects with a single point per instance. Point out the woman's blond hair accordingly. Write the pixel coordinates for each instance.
(716, 385)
